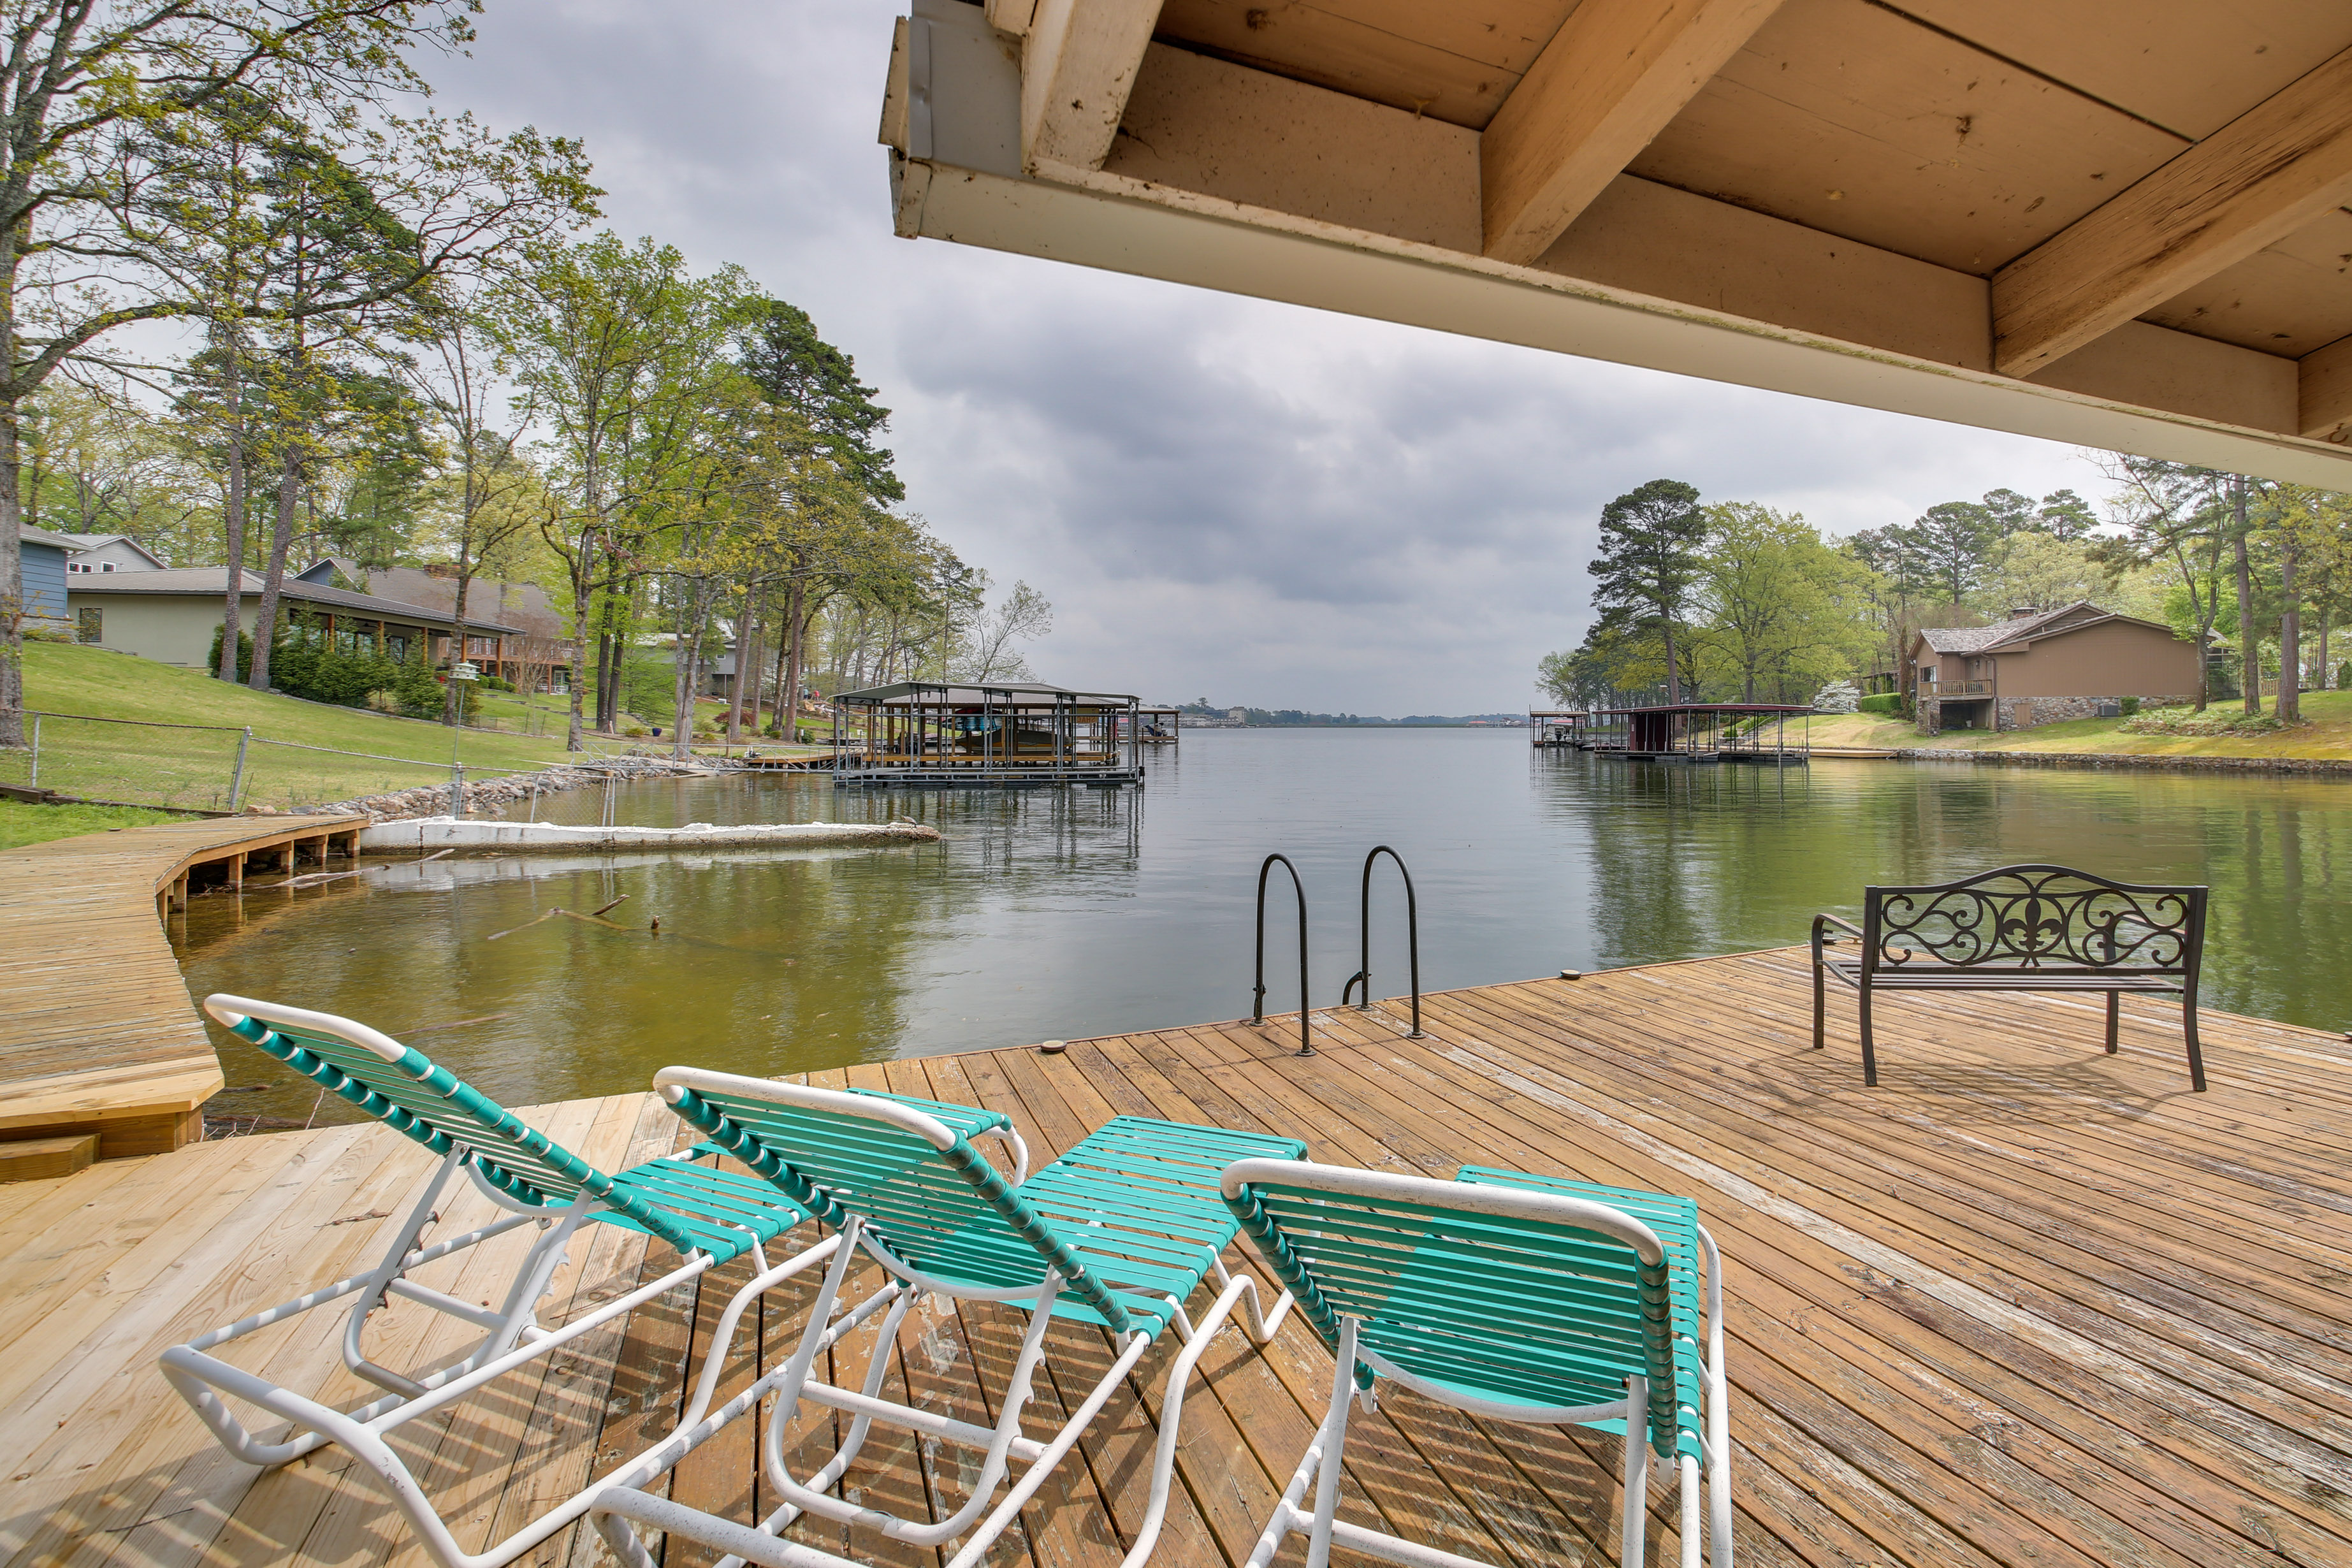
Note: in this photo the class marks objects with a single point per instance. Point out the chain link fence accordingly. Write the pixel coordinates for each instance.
(128, 762)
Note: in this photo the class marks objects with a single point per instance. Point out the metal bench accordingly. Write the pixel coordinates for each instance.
(2020, 927)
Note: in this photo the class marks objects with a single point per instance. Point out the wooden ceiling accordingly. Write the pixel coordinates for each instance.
(2138, 206)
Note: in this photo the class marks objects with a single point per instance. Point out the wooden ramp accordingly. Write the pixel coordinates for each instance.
(98, 1034)
(2026, 1304)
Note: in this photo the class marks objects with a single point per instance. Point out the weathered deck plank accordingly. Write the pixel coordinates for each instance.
(100, 1035)
(2024, 1304)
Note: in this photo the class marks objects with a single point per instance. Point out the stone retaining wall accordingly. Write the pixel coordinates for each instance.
(2324, 766)
(490, 798)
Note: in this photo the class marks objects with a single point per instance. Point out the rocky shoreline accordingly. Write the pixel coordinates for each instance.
(2322, 766)
(490, 798)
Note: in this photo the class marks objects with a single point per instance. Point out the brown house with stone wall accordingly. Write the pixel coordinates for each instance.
(2043, 666)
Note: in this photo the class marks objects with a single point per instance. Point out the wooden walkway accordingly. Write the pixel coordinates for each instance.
(98, 1035)
(2025, 1304)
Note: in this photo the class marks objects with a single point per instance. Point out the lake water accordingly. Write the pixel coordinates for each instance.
(1053, 914)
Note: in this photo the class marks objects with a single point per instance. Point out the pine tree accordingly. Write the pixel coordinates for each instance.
(1650, 540)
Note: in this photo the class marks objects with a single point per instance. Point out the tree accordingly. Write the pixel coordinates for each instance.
(987, 652)
(2037, 570)
(2175, 512)
(618, 346)
(1648, 558)
(453, 381)
(1949, 544)
(1772, 603)
(832, 483)
(87, 91)
(2066, 515)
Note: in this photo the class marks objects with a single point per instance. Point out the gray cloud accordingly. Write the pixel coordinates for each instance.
(1224, 496)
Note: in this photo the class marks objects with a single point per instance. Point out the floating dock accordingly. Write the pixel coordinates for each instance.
(2024, 1306)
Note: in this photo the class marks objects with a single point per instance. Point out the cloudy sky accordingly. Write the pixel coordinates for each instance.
(1252, 502)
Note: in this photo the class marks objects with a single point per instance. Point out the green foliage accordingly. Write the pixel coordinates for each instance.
(1776, 613)
(2130, 706)
(303, 662)
(1889, 703)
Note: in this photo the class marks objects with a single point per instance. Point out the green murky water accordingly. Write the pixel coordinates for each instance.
(1054, 914)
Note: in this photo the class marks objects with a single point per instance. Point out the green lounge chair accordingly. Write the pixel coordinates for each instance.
(706, 1215)
(1117, 1233)
(1513, 1297)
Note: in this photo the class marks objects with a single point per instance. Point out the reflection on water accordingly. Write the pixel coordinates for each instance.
(1053, 914)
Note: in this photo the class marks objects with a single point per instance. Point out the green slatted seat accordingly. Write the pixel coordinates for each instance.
(685, 1202)
(692, 1208)
(1513, 1297)
(1117, 1233)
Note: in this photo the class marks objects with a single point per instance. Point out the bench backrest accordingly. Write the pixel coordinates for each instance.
(1510, 1295)
(2035, 918)
(905, 1165)
(403, 1088)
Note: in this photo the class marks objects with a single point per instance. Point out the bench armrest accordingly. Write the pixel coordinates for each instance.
(1821, 921)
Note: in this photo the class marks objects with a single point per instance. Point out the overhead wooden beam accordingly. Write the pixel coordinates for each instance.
(2255, 180)
(2326, 386)
(1608, 82)
(1078, 61)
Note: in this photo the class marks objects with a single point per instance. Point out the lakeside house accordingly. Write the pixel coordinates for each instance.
(2042, 667)
(170, 615)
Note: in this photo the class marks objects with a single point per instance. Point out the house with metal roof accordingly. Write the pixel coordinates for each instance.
(170, 614)
(2040, 666)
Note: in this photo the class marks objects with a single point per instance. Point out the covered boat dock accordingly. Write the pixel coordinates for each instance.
(1686, 733)
(1009, 734)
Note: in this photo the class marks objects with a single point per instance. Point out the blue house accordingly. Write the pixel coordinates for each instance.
(42, 555)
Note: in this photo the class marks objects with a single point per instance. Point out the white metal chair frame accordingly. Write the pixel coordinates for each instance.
(1321, 1464)
(623, 1505)
(512, 1337)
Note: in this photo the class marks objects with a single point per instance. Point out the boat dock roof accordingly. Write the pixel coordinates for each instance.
(2024, 1304)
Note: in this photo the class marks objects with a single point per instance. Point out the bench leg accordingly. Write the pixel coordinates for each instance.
(2115, 1008)
(1869, 1047)
(2189, 1033)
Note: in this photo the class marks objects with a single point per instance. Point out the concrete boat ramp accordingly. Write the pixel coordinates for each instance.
(427, 834)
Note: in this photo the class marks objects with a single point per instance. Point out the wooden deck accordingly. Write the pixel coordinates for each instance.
(100, 1036)
(2025, 1304)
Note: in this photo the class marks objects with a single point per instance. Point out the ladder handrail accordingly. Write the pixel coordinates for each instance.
(1257, 999)
(1364, 938)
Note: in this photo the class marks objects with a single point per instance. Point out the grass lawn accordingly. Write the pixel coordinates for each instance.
(192, 767)
(22, 823)
(2327, 735)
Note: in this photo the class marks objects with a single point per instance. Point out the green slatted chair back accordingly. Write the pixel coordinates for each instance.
(407, 1092)
(906, 1166)
(1514, 1299)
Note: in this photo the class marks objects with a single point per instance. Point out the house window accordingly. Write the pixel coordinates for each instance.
(106, 565)
(89, 624)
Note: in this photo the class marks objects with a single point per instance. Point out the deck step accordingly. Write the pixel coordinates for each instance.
(41, 1159)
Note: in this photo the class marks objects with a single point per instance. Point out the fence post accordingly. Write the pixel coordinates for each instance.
(237, 777)
(35, 781)
(456, 789)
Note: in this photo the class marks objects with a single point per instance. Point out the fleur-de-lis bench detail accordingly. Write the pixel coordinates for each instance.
(2020, 927)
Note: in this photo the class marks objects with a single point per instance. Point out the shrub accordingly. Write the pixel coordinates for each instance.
(635, 731)
(1886, 703)
(1837, 696)
(2130, 705)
